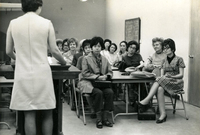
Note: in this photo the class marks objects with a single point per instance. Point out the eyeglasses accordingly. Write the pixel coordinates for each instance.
(133, 48)
(166, 48)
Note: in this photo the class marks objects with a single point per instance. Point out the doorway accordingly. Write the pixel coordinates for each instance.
(194, 55)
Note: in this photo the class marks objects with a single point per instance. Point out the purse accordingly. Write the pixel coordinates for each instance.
(148, 115)
(122, 66)
(143, 74)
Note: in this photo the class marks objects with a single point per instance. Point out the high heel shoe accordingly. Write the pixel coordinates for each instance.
(142, 108)
(161, 121)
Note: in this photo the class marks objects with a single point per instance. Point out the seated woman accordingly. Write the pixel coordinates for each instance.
(112, 57)
(171, 80)
(96, 67)
(86, 50)
(59, 44)
(65, 46)
(107, 43)
(80, 52)
(153, 63)
(133, 60)
(122, 52)
(83, 84)
(72, 50)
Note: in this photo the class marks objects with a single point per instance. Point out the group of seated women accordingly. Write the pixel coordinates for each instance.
(97, 57)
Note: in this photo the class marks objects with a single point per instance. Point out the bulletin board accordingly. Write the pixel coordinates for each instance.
(132, 29)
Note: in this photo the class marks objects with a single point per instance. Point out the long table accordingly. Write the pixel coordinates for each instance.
(5, 83)
(119, 78)
(59, 74)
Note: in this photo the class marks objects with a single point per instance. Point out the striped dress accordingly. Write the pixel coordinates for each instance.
(169, 84)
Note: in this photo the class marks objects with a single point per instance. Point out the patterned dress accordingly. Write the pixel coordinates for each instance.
(169, 84)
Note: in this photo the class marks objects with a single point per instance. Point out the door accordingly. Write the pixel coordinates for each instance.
(194, 55)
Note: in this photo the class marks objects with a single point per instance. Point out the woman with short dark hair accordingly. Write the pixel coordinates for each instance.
(106, 44)
(31, 5)
(59, 44)
(65, 46)
(122, 49)
(96, 67)
(33, 89)
(133, 59)
(112, 57)
(133, 62)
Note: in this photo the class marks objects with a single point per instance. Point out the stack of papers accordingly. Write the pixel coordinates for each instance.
(142, 74)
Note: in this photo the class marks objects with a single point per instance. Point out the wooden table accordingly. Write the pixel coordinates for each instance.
(58, 73)
(119, 78)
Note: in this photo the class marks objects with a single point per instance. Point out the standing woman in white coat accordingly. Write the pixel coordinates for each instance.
(31, 36)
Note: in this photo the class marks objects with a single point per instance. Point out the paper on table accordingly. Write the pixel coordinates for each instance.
(53, 61)
(130, 69)
(49, 59)
(142, 74)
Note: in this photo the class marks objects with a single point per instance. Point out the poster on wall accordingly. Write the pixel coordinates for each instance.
(132, 29)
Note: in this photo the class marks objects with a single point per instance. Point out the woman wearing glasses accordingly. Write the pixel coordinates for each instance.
(133, 62)
(65, 46)
(133, 59)
(171, 79)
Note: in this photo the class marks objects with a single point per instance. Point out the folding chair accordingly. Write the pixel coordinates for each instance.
(81, 106)
(173, 100)
(175, 96)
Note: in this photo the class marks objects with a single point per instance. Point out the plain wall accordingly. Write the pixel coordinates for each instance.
(71, 18)
(159, 18)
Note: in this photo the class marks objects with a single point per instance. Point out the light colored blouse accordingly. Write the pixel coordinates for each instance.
(112, 58)
(104, 53)
(68, 56)
(121, 55)
(154, 63)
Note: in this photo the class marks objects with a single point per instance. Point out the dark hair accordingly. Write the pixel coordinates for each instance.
(133, 42)
(169, 42)
(107, 40)
(111, 45)
(30, 5)
(95, 41)
(64, 41)
(85, 43)
(59, 41)
(157, 39)
(120, 52)
(124, 43)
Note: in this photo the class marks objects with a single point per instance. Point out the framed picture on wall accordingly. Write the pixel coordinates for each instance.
(132, 29)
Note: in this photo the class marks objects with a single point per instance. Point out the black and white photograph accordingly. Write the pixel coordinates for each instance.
(99, 67)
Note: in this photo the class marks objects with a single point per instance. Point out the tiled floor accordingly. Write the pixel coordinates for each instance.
(124, 125)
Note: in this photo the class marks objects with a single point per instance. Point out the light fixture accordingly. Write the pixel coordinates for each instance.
(10, 6)
(83, 0)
